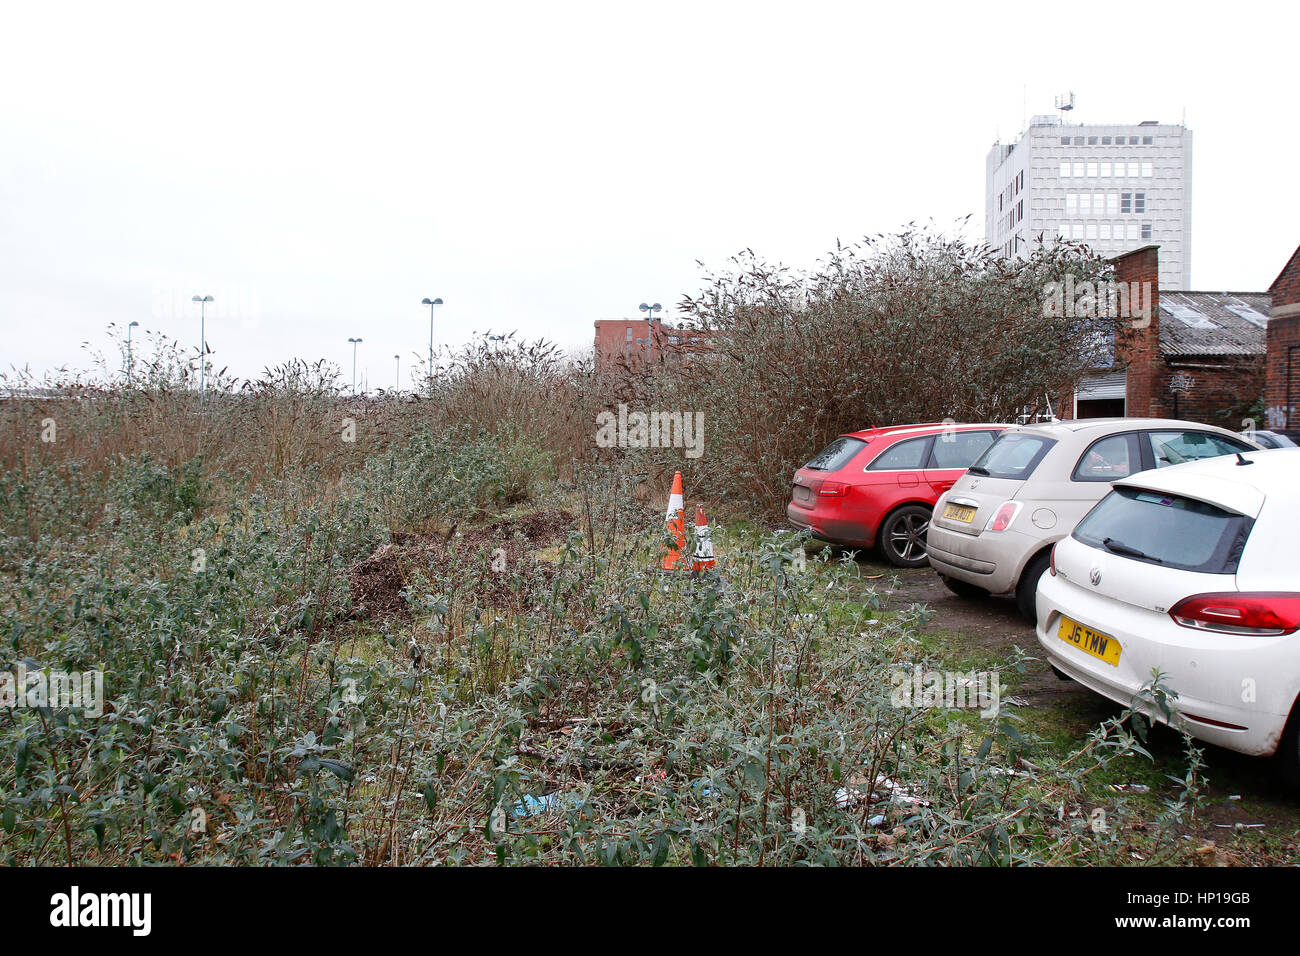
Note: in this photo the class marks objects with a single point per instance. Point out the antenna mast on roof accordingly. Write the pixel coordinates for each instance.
(1065, 103)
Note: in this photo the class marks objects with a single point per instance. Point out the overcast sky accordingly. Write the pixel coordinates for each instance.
(319, 169)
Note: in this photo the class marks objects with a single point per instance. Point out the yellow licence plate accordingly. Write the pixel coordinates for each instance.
(959, 513)
(1101, 646)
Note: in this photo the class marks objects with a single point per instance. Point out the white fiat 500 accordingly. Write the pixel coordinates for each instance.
(1193, 570)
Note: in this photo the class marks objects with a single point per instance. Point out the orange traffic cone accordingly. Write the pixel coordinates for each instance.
(703, 560)
(674, 526)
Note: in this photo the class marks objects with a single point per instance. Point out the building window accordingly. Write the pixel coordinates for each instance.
(1065, 141)
(1092, 140)
(1085, 204)
(629, 335)
(1146, 170)
(1092, 169)
(1147, 140)
(1071, 204)
(1125, 203)
(1105, 168)
(1078, 168)
(1076, 230)
(1139, 202)
(1132, 231)
(1091, 231)
(1146, 230)
(1065, 168)
(1078, 141)
(1105, 141)
(1103, 231)
(1112, 204)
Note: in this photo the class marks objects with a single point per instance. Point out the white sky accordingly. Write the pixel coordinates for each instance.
(321, 168)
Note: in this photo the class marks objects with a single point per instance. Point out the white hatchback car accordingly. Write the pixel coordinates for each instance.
(1193, 570)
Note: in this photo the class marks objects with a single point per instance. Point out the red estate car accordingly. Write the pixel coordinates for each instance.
(877, 487)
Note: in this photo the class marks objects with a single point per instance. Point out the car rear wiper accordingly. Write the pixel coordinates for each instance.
(977, 470)
(1120, 548)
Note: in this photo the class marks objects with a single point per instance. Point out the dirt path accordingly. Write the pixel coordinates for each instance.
(990, 624)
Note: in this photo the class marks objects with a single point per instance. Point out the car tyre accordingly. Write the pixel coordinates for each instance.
(1027, 589)
(963, 589)
(902, 536)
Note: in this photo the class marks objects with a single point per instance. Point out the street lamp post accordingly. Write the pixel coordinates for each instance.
(398, 380)
(129, 363)
(649, 311)
(203, 343)
(355, 343)
(430, 303)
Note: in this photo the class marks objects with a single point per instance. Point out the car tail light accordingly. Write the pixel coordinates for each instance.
(1051, 563)
(833, 489)
(1003, 517)
(1258, 613)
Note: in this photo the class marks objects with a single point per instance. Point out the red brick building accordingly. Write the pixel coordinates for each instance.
(1282, 391)
(621, 343)
(1191, 355)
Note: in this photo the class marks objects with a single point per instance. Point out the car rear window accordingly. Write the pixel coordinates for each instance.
(836, 455)
(1168, 530)
(1012, 455)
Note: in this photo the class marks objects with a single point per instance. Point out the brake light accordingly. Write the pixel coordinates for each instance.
(1003, 517)
(1258, 613)
(833, 489)
(1051, 563)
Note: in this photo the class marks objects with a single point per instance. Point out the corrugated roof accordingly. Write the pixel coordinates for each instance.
(1213, 323)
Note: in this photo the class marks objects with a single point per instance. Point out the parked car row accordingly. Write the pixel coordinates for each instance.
(1131, 544)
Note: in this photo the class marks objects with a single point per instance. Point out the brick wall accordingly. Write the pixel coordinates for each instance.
(1224, 389)
(1139, 348)
(1283, 337)
(614, 345)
